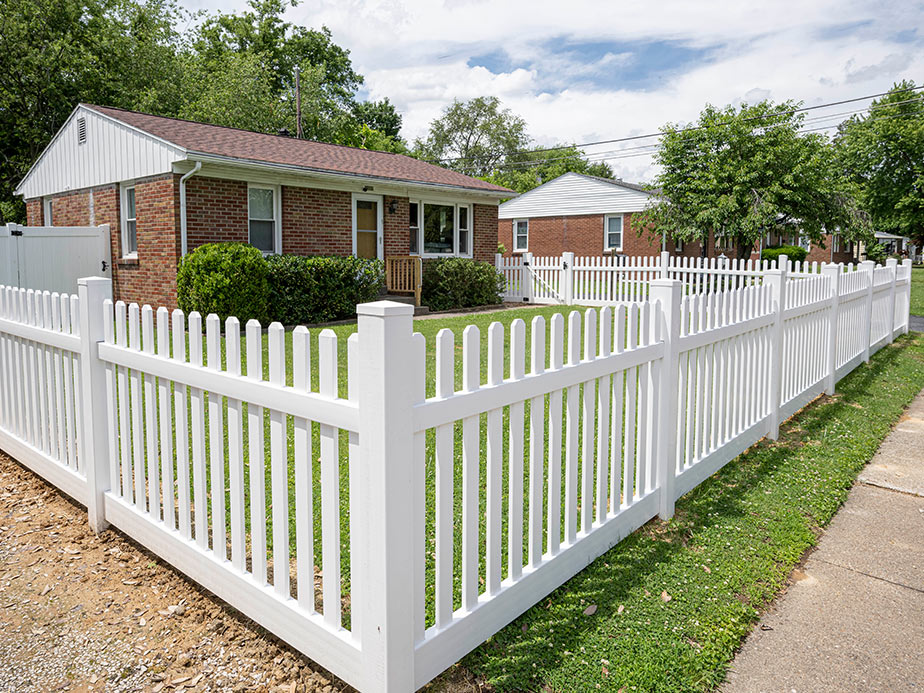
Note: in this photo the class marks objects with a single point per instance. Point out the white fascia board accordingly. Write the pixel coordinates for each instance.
(320, 178)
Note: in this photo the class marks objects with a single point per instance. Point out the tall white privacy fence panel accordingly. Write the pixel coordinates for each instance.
(384, 506)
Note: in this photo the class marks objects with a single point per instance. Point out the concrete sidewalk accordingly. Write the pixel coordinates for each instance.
(853, 616)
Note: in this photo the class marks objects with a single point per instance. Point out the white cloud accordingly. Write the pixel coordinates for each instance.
(416, 52)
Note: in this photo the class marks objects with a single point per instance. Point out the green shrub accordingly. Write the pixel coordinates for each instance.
(459, 283)
(225, 279)
(876, 252)
(794, 252)
(306, 290)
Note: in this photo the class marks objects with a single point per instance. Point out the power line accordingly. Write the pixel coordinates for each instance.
(693, 128)
(595, 157)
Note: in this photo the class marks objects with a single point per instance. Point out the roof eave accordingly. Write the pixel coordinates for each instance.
(206, 157)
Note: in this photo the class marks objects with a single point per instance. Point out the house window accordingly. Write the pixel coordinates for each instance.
(836, 243)
(46, 212)
(678, 245)
(262, 218)
(414, 228)
(464, 231)
(439, 229)
(129, 223)
(520, 235)
(613, 232)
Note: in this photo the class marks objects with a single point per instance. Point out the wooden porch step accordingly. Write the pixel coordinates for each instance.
(409, 300)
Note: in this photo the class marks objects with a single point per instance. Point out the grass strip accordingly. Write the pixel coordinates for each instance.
(917, 291)
(674, 600)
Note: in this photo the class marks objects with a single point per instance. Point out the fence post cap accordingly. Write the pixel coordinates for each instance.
(661, 281)
(891, 262)
(90, 281)
(384, 309)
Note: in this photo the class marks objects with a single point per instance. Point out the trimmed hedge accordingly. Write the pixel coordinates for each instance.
(459, 283)
(305, 290)
(225, 279)
(794, 252)
(236, 279)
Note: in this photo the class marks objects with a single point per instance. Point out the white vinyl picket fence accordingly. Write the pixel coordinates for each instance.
(245, 458)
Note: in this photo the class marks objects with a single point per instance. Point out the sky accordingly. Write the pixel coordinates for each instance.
(583, 71)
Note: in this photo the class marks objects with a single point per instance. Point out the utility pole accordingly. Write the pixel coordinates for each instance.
(298, 103)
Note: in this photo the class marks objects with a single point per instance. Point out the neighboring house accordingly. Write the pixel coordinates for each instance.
(588, 215)
(577, 213)
(166, 186)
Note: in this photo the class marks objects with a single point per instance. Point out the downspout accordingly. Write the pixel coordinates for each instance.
(183, 179)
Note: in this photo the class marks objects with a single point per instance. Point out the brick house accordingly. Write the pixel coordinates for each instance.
(588, 215)
(166, 186)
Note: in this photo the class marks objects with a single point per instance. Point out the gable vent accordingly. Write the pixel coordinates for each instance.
(81, 130)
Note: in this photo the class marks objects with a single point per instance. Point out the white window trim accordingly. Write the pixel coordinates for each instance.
(47, 216)
(380, 222)
(410, 202)
(123, 220)
(277, 214)
(456, 205)
(513, 238)
(606, 233)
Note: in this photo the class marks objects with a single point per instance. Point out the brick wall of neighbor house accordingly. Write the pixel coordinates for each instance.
(317, 222)
(581, 234)
(485, 233)
(71, 208)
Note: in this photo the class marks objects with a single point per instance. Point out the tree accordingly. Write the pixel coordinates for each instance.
(379, 115)
(473, 137)
(882, 154)
(741, 173)
(524, 170)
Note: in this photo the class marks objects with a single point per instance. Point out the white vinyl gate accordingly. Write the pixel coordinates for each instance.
(51, 258)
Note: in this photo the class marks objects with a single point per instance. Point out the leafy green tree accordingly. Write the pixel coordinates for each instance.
(379, 115)
(740, 173)
(473, 137)
(882, 154)
(530, 168)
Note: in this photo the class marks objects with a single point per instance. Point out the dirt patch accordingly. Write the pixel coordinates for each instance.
(85, 613)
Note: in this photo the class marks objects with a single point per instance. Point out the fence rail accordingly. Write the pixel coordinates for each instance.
(438, 499)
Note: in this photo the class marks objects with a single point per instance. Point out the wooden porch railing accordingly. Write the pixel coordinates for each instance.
(403, 275)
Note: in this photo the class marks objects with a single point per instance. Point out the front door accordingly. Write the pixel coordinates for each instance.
(367, 226)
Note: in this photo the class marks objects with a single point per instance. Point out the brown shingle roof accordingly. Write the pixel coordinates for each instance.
(305, 154)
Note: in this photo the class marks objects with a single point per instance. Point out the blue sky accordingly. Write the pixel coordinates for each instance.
(587, 70)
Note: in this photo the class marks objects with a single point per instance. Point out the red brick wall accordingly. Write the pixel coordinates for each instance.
(485, 231)
(581, 234)
(71, 209)
(397, 226)
(34, 212)
(216, 211)
(317, 222)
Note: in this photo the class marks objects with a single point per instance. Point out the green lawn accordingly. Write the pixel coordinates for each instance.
(724, 556)
(917, 291)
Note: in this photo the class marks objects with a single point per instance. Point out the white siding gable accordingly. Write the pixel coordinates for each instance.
(112, 152)
(573, 193)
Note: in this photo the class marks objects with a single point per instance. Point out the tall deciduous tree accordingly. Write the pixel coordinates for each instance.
(473, 137)
(882, 153)
(740, 173)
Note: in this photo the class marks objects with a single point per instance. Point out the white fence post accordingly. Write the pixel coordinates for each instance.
(906, 263)
(665, 264)
(666, 292)
(567, 278)
(387, 576)
(868, 266)
(527, 274)
(776, 280)
(833, 272)
(893, 264)
(94, 446)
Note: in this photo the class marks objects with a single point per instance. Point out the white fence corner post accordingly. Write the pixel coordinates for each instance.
(906, 263)
(567, 278)
(833, 273)
(387, 576)
(776, 279)
(94, 446)
(666, 292)
(527, 270)
(665, 262)
(892, 263)
(869, 267)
